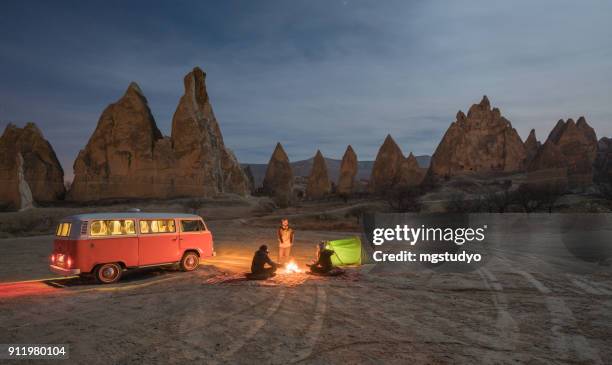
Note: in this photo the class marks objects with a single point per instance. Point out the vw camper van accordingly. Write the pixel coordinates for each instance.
(106, 244)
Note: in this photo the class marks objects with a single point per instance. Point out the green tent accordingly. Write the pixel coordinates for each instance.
(347, 251)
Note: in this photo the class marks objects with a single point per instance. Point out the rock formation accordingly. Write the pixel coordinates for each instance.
(575, 148)
(250, 178)
(410, 174)
(205, 165)
(127, 156)
(603, 162)
(531, 147)
(318, 181)
(548, 166)
(279, 175)
(348, 171)
(386, 168)
(482, 141)
(28, 163)
(26, 200)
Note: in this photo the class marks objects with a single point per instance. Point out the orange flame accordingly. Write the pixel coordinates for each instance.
(291, 268)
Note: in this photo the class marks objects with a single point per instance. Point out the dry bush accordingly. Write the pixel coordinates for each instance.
(404, 199)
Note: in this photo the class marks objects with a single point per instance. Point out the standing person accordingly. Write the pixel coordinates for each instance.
(285, 240)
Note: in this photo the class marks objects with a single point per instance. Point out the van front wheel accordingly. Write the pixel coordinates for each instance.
(108, 273)
(190, 261)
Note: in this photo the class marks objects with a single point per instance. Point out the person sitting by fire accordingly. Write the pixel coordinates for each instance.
(323, 265)
(259, 271)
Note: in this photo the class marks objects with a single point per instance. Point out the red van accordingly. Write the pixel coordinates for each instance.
(106, 244)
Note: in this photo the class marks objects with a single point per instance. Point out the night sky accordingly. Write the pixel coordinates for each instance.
(310, 74)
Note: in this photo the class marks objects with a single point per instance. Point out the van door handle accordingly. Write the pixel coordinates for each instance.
(174, 239)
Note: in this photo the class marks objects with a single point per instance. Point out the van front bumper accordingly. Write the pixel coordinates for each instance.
(63, 271)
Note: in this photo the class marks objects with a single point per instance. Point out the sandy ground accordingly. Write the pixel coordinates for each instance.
(518, 308)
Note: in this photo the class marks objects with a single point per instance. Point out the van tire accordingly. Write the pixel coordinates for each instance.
(108, 273)
(190, 261)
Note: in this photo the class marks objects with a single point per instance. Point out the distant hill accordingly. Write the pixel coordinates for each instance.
(302, 168)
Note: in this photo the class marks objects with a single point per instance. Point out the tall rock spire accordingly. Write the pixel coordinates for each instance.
(279, 174)
(318, 181)
(127, 156)
(385, 172)
(348, 171)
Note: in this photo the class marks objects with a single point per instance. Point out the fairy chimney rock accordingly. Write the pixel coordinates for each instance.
(411, 174)
(279, 175)
(385, 172)
(29, 169)
(531, 147)
(205, 165)
(348, 171)
(573, 145)
(318, 181)
(128, 157)
(481, 141)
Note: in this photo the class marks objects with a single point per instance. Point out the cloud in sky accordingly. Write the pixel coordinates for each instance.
(311, 74)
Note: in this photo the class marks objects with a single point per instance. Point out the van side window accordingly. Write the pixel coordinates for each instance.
(157, 226)
(112, 227)
(63, 229)
(192, 226)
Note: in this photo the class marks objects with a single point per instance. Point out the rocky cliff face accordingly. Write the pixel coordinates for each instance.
(28, 162)
(410, 174)
(386, 169)
(531, 147)
(348, 172)
(279, 175)
(318, 181)
(482, 141)
(603, 163)
(573, 146)
(127, 156)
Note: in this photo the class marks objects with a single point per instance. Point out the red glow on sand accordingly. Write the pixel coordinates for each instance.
(19, 289)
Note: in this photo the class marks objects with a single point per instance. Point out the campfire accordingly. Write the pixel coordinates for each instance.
(292, 268)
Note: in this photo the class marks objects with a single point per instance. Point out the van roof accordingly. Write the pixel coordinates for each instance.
(125, 215)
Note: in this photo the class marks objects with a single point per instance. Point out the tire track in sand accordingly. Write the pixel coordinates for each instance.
(562, 318)
(314, 331)
(505, 323)
(256, 325)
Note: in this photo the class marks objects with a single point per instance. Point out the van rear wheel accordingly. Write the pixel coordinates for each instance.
(108, 273)
(190, 261)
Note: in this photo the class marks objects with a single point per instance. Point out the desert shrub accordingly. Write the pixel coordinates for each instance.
(534, 197)
(457, 203)
(498, 200)
(404, 199)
